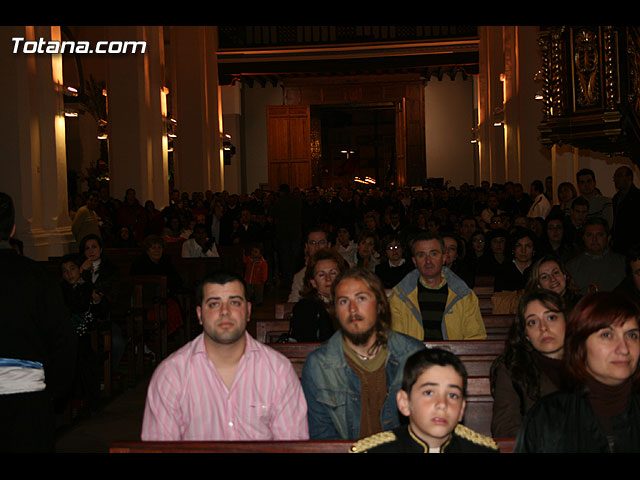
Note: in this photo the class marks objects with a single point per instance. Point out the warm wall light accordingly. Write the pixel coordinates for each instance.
(498, 117)
(164, 91)
(102, 130)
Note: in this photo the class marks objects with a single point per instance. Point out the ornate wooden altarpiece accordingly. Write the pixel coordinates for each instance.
(591, 88)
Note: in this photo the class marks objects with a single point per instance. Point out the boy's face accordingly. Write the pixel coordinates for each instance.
(70, 272)
(435, 404)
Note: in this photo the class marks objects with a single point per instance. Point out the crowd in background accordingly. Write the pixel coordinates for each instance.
(491, 224)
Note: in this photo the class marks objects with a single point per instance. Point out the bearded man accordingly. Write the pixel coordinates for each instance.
(350, 382)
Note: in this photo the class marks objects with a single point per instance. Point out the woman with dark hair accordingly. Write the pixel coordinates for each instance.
(600, 410)
(155, 222)
(494, 256)
(554, 240)
(103, 275)
(154, 261)
(513, 273)
(366, 254)
(550, 273)
(98, 271)
(395, 265)
(124, 239)
(531, 365)
(566, 194)
(310, 318)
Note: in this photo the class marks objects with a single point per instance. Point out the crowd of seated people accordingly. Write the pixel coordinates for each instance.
(480, 218)
(488, 231)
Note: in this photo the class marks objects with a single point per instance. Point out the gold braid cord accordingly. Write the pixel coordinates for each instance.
(475, 437)
(372, 441)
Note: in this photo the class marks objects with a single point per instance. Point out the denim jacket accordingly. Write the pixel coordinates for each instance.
(332, 388)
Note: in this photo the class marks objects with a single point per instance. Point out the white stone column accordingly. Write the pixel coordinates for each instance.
(198, 160)
(137, 133)
(34, 169)
(490, 100)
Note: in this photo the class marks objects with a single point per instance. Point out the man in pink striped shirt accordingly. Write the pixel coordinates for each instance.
(224, 385)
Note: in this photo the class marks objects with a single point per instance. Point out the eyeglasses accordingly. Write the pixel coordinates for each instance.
(393, 247)
(313, 243)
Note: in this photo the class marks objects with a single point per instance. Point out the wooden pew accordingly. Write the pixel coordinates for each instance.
(486, 305)
(283, 310)
(309, 446)
(269, 330)
(497, 325)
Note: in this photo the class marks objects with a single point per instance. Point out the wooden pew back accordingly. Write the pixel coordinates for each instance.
(269, 330)
(309, 446)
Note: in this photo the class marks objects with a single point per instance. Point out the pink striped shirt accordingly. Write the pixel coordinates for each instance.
(187, 399)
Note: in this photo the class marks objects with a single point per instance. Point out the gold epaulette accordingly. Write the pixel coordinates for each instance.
(475, 437)
(372, 441)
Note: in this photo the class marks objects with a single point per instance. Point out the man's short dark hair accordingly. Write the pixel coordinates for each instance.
(86, 238)
(580, 201)
(585, 171)
(422, 360)
(221, 277)
(597, 221)
(425, 237)
(71, 258)
(153, 239)
(7, 216)
(537, 185)
(316, 229)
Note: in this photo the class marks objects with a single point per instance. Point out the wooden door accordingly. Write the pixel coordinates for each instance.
(401, 144)
(289, 145)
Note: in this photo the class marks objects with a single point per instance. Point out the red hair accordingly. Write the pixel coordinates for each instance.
(592, 313)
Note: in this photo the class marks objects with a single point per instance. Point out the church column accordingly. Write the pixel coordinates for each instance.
(198, 156)
(491, 105)
(34, 166)
(137, 131)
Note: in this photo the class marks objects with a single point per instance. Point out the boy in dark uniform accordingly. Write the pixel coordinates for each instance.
(434, 388)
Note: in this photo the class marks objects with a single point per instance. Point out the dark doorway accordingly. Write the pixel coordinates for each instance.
(353, 141)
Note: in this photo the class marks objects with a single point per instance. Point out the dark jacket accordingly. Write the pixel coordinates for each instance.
(566, 423)
(625, 231)
(403, 440)
(310, 321)
(35, 326)
(391, 276)
(511, 401)
(144, 266)
(508, 277)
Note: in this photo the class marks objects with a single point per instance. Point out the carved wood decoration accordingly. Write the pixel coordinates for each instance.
(590, 88)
